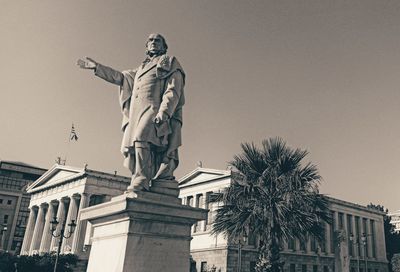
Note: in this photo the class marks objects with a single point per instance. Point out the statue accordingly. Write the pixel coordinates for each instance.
(151, 99)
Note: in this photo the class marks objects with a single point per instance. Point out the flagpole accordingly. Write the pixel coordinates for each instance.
(72, 136)
(63, 162)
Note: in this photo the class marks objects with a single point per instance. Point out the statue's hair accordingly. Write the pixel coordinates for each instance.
(165, 47)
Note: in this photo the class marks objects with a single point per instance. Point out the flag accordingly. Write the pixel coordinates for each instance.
(73, 136)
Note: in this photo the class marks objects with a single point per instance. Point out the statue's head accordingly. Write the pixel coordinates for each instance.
(156, 45)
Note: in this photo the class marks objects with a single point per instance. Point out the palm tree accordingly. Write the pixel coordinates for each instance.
(273, 196)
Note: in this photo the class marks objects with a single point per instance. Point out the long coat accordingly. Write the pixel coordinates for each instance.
(154, 87)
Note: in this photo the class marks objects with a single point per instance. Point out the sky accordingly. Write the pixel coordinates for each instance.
(324, 75)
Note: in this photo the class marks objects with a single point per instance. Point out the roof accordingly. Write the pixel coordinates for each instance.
(208, 173)
(354, 205)
(60, 174)
(18, 163)
(214, 174)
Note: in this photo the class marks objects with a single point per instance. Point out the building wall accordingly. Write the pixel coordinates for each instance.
(14, 201)
(395, 220)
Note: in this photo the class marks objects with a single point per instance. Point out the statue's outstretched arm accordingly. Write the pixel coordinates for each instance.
(102, 71)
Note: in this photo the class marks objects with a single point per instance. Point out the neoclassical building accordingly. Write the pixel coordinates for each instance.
(62, 192)
(364, 239)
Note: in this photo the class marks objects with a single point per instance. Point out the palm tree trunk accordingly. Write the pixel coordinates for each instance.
(274, 253)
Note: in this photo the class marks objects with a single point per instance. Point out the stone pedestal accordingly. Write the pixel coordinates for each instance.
(141, 232)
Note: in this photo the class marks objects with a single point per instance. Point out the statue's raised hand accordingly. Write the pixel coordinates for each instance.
(87, 63)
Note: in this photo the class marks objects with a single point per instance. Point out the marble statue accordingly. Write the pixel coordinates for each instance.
(151, 99)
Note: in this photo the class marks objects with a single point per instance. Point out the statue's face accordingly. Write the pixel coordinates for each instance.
(155, 44)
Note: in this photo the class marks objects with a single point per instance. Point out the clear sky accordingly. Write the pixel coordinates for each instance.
(324, 75)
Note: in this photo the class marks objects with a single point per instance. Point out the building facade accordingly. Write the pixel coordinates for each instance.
(363, 229)
(15, 177)
(395, 221)
(62, 192)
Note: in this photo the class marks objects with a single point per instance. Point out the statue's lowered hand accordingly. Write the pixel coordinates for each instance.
(87, 63)
(160, 117)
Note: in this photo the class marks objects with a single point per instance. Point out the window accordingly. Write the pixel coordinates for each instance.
(199, 204)
(25, 203)
(303, 245)
(189, 201)
(252, 267)
(291, 244)
(199, 201)
(5, 219)
(322, 244)
(341, 221)
(313, 244)
(252, 238)
(303, 268)
(9, 202)
(315, 268)
(203, 267)
(96, 199)
(16, 175)
(15, 245)
(1, 201)
(12, 183)
(208, 206)
(326, 269)
(193, 265)
(292, 268)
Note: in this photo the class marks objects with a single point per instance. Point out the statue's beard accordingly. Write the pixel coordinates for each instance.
(156, 53)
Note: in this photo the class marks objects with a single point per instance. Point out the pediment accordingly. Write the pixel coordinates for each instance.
(56, 175)
(200, 175)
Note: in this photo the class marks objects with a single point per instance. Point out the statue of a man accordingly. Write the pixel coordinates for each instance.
(151, 99)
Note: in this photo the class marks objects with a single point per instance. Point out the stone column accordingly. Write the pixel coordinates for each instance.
(369, 238)
(327, 238)
(336, 221)
(62, 210)
(29, 230)
(38, 231)
(72, 213)
(356, 242)
(46, 238)
(80, 231)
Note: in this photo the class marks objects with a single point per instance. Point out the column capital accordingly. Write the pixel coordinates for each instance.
(76, 196)
(87, 195)
(44, 205)
(65, 199)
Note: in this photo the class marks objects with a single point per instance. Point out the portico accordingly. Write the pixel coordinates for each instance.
(63, 191)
